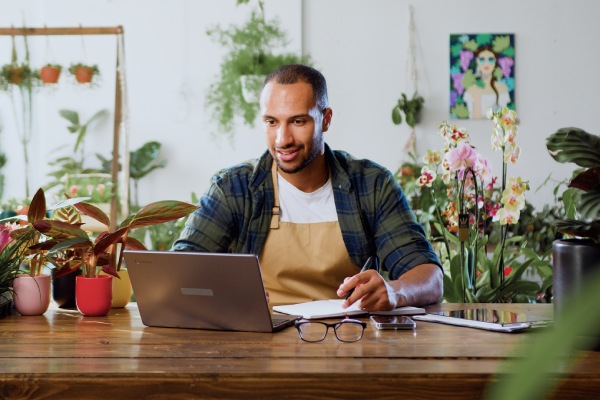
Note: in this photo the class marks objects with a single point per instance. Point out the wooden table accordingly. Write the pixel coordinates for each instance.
(65, 355)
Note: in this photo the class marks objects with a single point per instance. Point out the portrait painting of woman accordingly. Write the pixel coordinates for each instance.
(481, 74)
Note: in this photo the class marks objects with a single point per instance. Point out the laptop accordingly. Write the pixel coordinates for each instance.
(202, 291)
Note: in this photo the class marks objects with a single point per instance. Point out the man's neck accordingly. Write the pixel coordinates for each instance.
(311, 178)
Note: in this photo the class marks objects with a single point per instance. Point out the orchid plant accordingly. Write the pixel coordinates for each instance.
(470, 206)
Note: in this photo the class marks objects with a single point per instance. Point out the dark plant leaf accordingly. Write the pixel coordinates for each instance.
(109, 240)
(579, 228)
(574, 145)
(587, 180)
(134, 244)
(110, 271)
(37, 208)
(93, 212)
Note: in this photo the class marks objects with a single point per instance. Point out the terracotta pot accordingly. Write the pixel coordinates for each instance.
(31, 294)
(49, 74)
(121, 289)
(93, 295)
(16, 75)
(63, 289)
(84, 74)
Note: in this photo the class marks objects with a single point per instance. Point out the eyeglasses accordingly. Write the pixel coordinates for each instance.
(347, 330)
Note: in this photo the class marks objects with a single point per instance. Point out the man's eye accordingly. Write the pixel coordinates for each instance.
(269, 122)
(299, 121)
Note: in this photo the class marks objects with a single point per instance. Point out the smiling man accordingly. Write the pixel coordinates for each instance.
(313, 215)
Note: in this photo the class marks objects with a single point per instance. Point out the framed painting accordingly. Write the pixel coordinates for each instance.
(482, 74)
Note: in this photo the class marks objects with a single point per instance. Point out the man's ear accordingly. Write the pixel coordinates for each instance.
(327, 115)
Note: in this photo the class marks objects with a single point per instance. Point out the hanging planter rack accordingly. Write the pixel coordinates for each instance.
(120, 120)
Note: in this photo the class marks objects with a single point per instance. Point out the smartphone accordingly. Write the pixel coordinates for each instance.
(392, 322)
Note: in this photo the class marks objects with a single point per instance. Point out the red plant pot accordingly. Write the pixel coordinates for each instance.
(93, 295)
(84, 74)
(49, 74)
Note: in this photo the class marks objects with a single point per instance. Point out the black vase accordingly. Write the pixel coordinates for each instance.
(63, 289)
(573, 262)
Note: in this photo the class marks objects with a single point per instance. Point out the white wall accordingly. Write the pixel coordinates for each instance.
(360, 46)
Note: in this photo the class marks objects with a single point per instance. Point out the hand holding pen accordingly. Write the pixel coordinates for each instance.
(369, 264)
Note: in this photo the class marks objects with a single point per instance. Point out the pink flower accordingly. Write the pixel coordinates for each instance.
(73, 190)
(5, 238)
(461, 157)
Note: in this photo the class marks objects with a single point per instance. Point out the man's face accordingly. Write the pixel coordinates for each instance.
(293, 124)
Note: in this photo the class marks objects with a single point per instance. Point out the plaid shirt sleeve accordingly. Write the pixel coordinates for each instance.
(376, 217)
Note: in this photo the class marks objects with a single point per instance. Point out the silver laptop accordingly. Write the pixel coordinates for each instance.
(201, 291)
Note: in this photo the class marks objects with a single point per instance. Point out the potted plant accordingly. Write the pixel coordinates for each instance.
(575, 258)
(31, 288)
(104, 252)
(411, 109)
(249, 59)
(84, 73)
(50, 73)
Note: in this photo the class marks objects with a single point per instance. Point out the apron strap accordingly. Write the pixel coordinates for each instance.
(276, 212)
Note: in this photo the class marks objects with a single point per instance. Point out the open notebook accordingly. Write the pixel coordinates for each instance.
(333, 308)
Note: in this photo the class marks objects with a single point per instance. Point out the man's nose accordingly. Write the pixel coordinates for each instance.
(284, 136)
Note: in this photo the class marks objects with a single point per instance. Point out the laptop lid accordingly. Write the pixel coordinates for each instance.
(200, 290)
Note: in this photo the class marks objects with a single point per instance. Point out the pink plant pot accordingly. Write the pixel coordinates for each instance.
(31, 294)
(93, 295)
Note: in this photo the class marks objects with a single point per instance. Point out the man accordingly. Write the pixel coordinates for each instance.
(313, 215)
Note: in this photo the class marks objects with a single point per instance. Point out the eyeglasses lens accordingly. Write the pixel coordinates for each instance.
(349, 331)
(312, 331)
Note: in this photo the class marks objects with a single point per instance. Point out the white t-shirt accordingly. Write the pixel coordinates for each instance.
(304, 208)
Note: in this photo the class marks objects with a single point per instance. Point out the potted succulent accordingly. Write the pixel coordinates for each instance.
(84, 73)
(50, 73)
(104, 252)
(577, 257)
(243, 69)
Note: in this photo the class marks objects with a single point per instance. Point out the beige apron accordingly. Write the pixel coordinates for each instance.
(303, 262)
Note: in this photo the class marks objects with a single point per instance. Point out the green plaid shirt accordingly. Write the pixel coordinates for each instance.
(374, 215)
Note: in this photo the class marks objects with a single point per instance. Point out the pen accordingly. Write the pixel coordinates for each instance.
(365, 267)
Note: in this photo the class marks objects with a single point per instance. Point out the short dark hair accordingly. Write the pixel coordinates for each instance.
(293, 73)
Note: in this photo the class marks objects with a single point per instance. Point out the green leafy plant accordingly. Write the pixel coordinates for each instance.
(582, 198)
(69, 165)
(105, 251)
(249, 54)
(411, 109)
(143, 161)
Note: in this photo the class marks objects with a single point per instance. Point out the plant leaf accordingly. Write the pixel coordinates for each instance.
(587, 180)
(70, 115)
(93, 212)
(589, 207)
(574, 145)
(109, 240)
(59, 230)
(159, 212)
(37, 208)
(396, 116)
